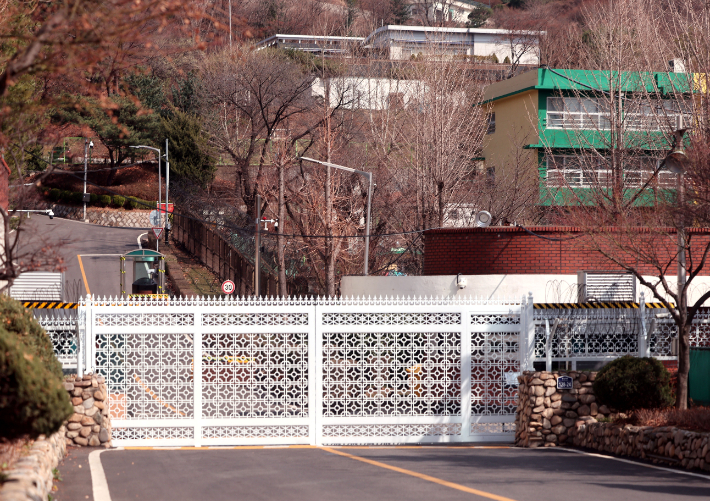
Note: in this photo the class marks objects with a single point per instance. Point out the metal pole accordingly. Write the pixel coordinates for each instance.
(86, 147)
(257, 245)
(230, 24)
(167, 190)
(681, 245)
(367, 227)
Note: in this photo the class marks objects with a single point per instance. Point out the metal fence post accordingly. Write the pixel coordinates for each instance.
(466, 386)
(315, 380)
(80, 337)
(197, 378)
(642, 330)
(527, 328)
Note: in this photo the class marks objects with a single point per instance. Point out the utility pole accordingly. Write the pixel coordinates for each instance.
(257, 246)
(167, 190)
(86, 152)
(230, 24)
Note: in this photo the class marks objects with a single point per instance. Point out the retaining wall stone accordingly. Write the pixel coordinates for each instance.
(31, 477)
(91, 423)
(104, 217)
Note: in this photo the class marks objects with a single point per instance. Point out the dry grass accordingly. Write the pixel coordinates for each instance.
(694, 419)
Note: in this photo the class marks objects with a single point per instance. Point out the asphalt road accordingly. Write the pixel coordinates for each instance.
(99, 246)
(384, 473)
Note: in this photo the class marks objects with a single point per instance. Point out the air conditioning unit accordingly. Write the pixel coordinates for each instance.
(604, 286)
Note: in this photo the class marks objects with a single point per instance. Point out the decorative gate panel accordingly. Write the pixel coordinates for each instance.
(227, 372)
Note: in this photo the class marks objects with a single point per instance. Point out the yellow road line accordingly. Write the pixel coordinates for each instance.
(428, 478)
(217, 447)
(83, 275)
(252, 447)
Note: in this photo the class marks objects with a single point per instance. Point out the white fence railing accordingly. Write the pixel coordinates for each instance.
(328, 371)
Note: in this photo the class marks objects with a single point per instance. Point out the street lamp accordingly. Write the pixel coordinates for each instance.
(160, 192)
(369, 203)
(87, 144)
(675, 161)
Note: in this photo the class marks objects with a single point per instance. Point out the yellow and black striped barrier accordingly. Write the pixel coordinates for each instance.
(595, 306)
(50, 305)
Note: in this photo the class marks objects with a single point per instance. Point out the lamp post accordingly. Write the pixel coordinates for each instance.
(160, 193)
(90, 145)
(167, 190)
(369, 203)
(675, 160)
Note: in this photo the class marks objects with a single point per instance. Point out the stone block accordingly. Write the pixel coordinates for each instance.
(583, 410)
(72, 434)
(85, 431)
(88, 403)
(94, 441)
(95, 429)
(555, 420)
(87, 421)
(82, 384)
(100, 405)
(94, 383)
(79, 409)
(81, 441)
(569, 423)
(75, 418)
(559, 429)
(98, 395)
(68, 386)
(556, 404)
(539, 401)
(603, 409)
(74, 426)
(549, 391)
(587, 399)
(538, 410)
(76, 392)
(556, 396)
(550, 383)
(567, 397)
(551, 438)
(547, 413)
(76, 401)
(536, 382)
(538, 391)
(103, 435)
(92, 412)
(546, 424)
(571, 414)
(593, 409)
(546, 375)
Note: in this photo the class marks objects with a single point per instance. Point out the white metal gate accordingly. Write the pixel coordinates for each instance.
(333, 371)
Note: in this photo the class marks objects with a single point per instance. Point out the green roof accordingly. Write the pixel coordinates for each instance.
(590, 81)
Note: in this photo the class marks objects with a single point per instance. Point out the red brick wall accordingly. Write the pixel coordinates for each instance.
(512, 250)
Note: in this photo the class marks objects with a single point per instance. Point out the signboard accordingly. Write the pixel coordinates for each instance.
(228, 287)
(564, 383)
(157, 232)
(154, 217)
(162, 207)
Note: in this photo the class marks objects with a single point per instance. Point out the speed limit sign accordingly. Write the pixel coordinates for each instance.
(228, 287)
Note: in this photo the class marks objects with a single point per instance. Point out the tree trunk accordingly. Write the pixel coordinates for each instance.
(681, 401)
(112, 172)
(280, 240)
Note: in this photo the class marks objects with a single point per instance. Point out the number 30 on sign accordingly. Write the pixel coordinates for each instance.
(228, 287)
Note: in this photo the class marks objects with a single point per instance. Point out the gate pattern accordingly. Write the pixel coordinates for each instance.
(250, 371)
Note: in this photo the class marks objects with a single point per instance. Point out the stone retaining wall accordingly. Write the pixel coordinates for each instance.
(104, 217)
(546, 415)
(31, 477)
(90, 424)
(661, 445)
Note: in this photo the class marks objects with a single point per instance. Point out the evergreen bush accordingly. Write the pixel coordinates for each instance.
(630, 383)
(65, 196)
(131, 203)
(94, 198)
(105, 200)
(77, 198)
(119, 201)
(55, 194)
(32, 399)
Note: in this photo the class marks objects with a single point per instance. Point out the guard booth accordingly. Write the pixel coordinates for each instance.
(148, 272)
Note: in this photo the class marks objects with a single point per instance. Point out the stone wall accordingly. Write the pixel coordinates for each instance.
(660, 445)
(546, 415)
(104, 217)
(90, 424)
(30, 478)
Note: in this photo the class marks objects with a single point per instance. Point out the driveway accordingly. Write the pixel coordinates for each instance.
(97, 270)
(385, 473)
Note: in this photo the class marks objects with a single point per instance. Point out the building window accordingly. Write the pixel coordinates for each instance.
(577, 113)
(491, 123)
(586, 171)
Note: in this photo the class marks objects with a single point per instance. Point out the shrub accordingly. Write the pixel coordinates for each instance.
(630, 383)
(77, 198)
(94, 198)
(131, 203)
(55, 194)
(119, 201)
(32, 398)
(104, 200)
(65, 196)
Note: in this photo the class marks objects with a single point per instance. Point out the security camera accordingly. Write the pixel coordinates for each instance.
(50, 213)
(460, 281)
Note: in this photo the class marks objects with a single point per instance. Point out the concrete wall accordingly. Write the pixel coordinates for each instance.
(549, 288)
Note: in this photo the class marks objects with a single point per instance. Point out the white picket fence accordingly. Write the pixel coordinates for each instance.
(207, 371)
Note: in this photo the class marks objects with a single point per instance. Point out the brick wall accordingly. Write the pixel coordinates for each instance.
(512, 250)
